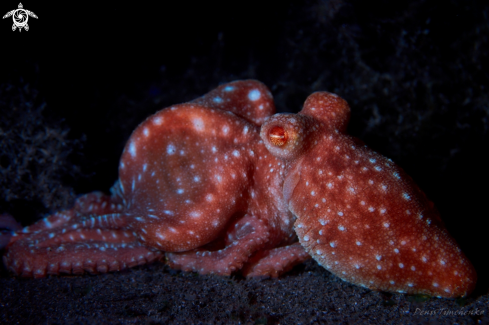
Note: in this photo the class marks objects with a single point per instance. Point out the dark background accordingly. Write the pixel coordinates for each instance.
(415, 74)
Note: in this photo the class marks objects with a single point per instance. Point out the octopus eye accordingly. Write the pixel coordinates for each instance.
(278, 136)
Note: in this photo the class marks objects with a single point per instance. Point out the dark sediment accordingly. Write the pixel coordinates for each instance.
(413, 72)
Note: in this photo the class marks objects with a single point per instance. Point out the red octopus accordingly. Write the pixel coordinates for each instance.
(220, 184)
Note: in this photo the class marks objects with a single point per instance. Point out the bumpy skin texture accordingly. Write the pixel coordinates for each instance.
(220, 185)
(196, 181)
(358, 214)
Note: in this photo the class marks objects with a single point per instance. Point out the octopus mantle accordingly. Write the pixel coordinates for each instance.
(221, 184)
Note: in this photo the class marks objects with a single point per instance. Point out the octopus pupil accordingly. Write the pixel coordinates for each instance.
(278, 136)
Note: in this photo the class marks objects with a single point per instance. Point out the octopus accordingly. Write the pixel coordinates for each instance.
(222, 184)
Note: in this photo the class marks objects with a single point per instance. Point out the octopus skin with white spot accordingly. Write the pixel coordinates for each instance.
(221, 184)
(195, 182)
(367, 221)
